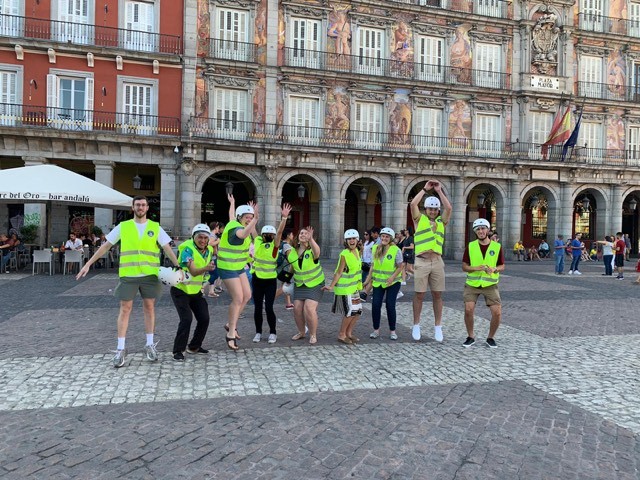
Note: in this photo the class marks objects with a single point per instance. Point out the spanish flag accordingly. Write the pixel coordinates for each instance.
(560, 132)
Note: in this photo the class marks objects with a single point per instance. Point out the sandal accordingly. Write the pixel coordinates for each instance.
(298, 336)
(233, 347)
(354, 339)
(345, 340)
(313, 340)
(226, 327)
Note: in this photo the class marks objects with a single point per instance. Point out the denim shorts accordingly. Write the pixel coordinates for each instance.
(228, 274)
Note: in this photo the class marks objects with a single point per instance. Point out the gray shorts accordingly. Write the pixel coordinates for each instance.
(128, 287)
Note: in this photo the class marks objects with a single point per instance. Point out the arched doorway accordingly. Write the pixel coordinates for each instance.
(303, 193)
(584, 218)
(215, 205)
(481, 203)
(538, 216)
(363, 205)
(630, 219)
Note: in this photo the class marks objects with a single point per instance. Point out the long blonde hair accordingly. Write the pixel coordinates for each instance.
(382, 250)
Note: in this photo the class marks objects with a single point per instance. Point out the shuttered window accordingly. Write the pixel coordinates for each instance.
(304, 117)
(232, 34)
(230, 109)
(305, 42)
(140, 24)
(487, 133)
(488, 65)
(74, 23)
(368, 123)
(9, 108)
(429, 57)
(370, 51)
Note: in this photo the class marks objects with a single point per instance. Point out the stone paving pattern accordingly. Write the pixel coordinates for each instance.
(557, 399)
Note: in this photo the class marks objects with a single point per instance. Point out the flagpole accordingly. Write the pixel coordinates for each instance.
(584, 100)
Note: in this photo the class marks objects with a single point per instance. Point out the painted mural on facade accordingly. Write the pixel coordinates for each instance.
(460, 125)
(615, 134)
(204, 28)
(260, 33)
(618, 9)
(337, 113)
(400, 119)
(339, 37)
(616, 73)
(460, 54)
(401, 48)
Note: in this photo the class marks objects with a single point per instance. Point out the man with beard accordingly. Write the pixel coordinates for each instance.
(483, 261)
(141, 240)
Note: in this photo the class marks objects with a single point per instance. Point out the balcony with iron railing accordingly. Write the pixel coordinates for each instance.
(487, 8)
(84, 34)
(232, 50)
(75, 120)
(371, 141)
(599, 23)
(606, 91)
(402, 69)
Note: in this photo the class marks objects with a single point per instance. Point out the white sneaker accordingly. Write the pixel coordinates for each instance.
(437, 334)
(257, 338)
(570, 272)
(577, 273)
(415, 332)
(400, 294)
(272, 338)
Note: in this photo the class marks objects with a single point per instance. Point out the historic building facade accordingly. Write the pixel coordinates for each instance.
(342, 108)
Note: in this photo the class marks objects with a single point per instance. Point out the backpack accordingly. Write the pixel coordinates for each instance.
(281, 258)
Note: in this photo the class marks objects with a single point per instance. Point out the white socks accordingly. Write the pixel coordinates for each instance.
(149, 338)
(121, 343)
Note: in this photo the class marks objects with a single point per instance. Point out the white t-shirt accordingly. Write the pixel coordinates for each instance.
(113, 236)
(607, 248)
(75, 245)
(366, 252)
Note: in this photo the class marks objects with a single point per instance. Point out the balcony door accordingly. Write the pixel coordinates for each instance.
(11, 24)
(137, 106)
(370, 54)
(429, 59)
(488, 65)
(9, 109)
(306, 43)
(231, 114)
(592, 15)
(140, 32)
(232, 34)
(72, 24)
(303, 120)
(70, 102)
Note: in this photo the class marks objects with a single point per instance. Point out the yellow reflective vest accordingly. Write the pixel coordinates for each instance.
(350, 281)
(310, 274)
(383, 268)
(139, 256)
(481, 278)
(425, 239)
(233, 257)
(264, 264)
(193, 285)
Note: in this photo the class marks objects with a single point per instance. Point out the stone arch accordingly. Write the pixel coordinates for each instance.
(320, 181)
(552, 196)
(367, 215)
(251, 174)
(448, 186)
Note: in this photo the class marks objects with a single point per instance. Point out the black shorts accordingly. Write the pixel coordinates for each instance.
(619, 261)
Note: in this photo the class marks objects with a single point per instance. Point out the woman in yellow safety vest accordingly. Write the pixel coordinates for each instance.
(265, 281)
(385, 276)
(308, 279)
(346, 285)
(233, 253)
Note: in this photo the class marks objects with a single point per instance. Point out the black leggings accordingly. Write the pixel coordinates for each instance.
(264, 289)
(185, 304)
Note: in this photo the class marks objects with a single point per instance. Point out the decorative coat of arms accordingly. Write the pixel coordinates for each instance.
(544, 43)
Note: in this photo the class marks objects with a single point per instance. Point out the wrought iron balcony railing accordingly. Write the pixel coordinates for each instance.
(232, 50)
(84, 34)
(300, 136)
(606, 91)
(601, 24)
(488, 8)
(387, 67)
(14, 115)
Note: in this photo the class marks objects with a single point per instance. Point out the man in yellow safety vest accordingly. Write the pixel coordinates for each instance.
(483, 261)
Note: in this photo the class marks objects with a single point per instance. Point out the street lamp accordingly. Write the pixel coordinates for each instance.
(363, 193)
(585, 203)
(137, 182)
(481, 198)
(633, 204)
(534, 200)
(301, 191)
(228, 187)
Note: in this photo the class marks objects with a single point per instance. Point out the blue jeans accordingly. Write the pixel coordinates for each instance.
(390, 301)
(560, 262)
(575, 261)
(608, 266)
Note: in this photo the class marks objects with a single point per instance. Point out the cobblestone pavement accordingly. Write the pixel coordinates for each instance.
(557, 399)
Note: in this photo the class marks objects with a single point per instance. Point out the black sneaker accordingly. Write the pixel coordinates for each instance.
(178, 357)
(199, 350)
(491, 343)
(468, 342)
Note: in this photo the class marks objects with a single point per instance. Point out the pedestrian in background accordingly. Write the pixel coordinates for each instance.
(607, 255)
(576, 254)
(558, 250)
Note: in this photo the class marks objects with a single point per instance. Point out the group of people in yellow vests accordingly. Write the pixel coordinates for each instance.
(142, 240)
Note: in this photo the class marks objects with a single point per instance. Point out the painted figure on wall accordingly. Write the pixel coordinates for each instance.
(618, 9)
(460, 125)
(282, 32)
(259, 105)
(337, 115)
(461, 60)
(615, 133)
(340, 29)
(204, 23)
(401, 50)
(462, 6)
(202, 98)
(260, 33)
(616, 73)
(400, 123)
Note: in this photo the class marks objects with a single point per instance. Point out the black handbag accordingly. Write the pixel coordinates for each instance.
(285, 275)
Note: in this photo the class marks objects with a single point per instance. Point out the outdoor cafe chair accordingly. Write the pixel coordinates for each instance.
(42, 256)
(72, 256)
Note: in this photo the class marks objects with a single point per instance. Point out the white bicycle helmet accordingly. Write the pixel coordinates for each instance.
(481, 222)
(388, 231)
(268, 229)
(432, 202)
(287, 288)
(351, 233)
(171, 276)
(200, 228)
(243, 210)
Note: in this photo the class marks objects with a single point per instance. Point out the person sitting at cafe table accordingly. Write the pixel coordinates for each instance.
(73, 243)
(519, 250)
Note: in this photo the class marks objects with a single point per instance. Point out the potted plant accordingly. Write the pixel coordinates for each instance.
(29, 233)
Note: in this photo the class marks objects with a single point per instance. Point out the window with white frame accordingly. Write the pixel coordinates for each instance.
(634, 19)
(488, 65)
(138, 98)
(633, 144)
(370, 50)
(10, 94)
(305, 43)
(592, 15)
(429, 58)
(368, 123)
(74, 21)
(590, 137)
(230, 109)
(539, 128)
(427, 128)
(487, 133)
(141, 26)
(590, 82)
(304, 114)
(70, 100)
(11, 23)
(232, 34)
(490, 8)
